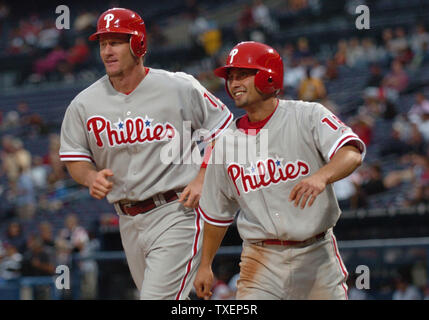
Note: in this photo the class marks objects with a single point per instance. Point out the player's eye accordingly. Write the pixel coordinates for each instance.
(243, 75)
(240, 76)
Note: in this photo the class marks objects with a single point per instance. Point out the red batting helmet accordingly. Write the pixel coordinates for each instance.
(255, 55)
(119, 20)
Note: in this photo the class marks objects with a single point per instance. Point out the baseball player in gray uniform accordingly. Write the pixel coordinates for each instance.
(284, 190)
(116, 140)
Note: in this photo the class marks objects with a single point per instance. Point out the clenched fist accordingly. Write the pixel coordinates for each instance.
(203, 282)
(99, 184)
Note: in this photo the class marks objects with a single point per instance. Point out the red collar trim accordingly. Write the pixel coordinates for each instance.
(147, 71)
(245, 125)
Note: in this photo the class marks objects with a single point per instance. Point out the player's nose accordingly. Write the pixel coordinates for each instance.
(234, 82)
(107, 50)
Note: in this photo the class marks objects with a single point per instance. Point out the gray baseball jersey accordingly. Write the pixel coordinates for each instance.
(298, 140)
(130, 134)
(145, 139)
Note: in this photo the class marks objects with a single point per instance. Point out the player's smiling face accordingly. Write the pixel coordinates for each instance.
(115, 53)
(241, 85)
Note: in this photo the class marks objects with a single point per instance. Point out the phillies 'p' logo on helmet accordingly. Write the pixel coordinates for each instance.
(259, 56)
(119, 20)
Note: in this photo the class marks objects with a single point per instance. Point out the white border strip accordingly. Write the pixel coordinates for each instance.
(213, 221)
(190, 264)
(73, 156)
(337, 144)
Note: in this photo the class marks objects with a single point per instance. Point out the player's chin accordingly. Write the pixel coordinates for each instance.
(240, 102)
(113, 72)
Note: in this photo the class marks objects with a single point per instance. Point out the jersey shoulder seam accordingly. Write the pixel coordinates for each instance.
(87, 90)
(181, 78)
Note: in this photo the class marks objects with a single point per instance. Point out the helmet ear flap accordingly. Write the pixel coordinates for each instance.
(264, 82)
(138, 45)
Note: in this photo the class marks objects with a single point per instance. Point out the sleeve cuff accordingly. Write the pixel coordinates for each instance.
(216, 132)
(346, 139)
(213, 221)
(75, 156)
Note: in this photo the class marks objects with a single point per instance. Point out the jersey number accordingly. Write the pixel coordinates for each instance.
(334, 123)
(214, 104)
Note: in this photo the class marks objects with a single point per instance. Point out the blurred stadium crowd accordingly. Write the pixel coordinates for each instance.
(376, 81)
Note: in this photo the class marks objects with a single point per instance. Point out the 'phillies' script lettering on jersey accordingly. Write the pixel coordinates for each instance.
(270, 171)
(129, 131)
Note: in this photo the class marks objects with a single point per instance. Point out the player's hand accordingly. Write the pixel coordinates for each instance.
(203, 282)
(307, 190)
(99, 185)
(192, 193)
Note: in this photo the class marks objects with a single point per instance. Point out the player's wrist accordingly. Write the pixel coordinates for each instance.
(324, 175)
(201, 174)
(89, 178)
(206, 263)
